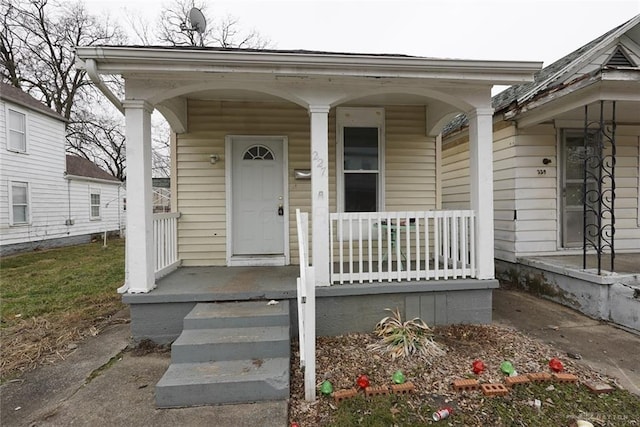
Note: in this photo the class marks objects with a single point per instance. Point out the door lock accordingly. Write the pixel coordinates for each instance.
(280, 210)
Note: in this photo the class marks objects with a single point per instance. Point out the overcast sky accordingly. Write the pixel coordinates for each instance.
(532, 30)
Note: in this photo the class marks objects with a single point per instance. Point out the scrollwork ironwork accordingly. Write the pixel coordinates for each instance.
(599, 185)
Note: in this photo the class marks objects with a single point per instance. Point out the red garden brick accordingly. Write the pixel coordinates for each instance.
(465, 385)
(565, 378)
(495, 389)
(341, 395)
(376, 390)
(539, 377)
(518, 379)
(405, 388)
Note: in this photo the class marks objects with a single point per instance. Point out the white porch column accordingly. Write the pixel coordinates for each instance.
(481, 176)
(140, 250)
(320, 192)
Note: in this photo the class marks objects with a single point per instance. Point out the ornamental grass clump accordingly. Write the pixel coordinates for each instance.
(404, 339)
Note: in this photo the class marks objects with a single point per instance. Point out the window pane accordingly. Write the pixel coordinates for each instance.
(19, 214)
(17, 127)
(360, 148)
(16, 121)
(95, 199)
(17, 141)
(95, 211)
(19, 195)
(361, 192)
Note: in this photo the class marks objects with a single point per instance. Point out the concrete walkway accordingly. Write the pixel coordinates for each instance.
(121, 393)
(609, 350)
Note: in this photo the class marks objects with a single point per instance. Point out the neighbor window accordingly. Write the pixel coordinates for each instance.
(19, 197)
(17, 131)
(360, 150)
(95, 203)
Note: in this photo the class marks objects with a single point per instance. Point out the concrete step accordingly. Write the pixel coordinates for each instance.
(206, 345)
(237, 314)
(236, 381)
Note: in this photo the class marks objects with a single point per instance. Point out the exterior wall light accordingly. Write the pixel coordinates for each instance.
(214, 158)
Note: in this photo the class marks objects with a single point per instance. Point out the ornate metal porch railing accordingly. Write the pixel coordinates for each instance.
(599, 186)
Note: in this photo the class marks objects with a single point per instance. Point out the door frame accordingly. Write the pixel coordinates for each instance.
(266, 260)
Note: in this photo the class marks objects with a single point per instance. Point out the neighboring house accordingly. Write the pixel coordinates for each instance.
(539, 153)
(48, 199)
(348, 138)
(161, 195)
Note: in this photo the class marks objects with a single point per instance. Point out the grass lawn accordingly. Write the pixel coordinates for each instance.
(50, 299)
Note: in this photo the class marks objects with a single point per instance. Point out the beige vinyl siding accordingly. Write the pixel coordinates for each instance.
(455, 174)
(410, 160)
(409, 167)
(201, 196)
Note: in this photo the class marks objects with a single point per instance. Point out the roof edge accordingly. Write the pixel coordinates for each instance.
(116, 59)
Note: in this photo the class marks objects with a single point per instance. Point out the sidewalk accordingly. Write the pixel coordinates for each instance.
(602, 346)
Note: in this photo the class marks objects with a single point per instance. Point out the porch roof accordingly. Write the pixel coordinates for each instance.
(150, 59)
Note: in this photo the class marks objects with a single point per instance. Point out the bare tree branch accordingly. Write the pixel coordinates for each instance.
(173, 28)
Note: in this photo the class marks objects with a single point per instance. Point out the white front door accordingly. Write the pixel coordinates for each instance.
(257, 196)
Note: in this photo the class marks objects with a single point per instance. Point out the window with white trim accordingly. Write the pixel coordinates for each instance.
(360, 159)
(16, 131)
(94, 201)
(19, 200)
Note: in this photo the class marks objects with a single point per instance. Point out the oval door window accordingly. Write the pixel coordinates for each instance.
(258, 152)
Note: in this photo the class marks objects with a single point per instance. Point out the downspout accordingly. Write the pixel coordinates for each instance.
(92, 72)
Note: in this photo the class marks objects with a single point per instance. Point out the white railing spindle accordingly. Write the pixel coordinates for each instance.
(397, 246)
(165, 240)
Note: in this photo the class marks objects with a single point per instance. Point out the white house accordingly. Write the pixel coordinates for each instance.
(259, 134)
(563, 230)
(47, 198)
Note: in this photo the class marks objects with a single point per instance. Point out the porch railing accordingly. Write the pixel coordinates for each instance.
(306, 309)
(165, 238)
(393, 246)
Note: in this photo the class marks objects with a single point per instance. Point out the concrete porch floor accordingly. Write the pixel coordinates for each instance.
(222, 284)
(626, 263)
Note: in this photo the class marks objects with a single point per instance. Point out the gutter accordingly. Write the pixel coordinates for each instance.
(92, 72)
(98, 180)
(122, 60)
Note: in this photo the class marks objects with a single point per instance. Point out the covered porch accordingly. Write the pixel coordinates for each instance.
(369, 147)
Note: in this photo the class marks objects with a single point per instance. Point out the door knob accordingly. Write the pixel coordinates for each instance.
(280, 210)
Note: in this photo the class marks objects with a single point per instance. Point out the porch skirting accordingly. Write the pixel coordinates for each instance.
(611, 297)
(158, 315)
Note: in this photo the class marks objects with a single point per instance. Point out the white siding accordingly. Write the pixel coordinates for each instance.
(536, 190)
(43, 167)
(627, 188)
(111, 206)
(526, 211)
(409, 164)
